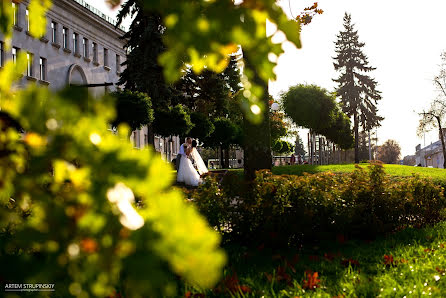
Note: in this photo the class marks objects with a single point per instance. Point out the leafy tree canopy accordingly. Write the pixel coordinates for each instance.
(172, 121)
(203, 33)
(277, 146)
(133, 108)
(312, 107)
(286, 147)
(278, 126)
(389, 152)
(202, 126)
(226, 133)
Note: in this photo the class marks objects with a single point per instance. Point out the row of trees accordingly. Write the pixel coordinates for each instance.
(318, 110)
(166, 62)
(434, 116)
(205, 105)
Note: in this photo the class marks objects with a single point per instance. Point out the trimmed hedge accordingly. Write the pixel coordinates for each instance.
(287, 210)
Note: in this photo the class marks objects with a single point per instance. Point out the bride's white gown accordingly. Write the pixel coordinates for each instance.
(187, 173)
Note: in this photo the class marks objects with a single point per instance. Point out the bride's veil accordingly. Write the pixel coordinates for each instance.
(201, 167)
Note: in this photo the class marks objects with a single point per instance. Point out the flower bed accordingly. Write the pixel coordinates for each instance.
(289, 210)
(409, 263)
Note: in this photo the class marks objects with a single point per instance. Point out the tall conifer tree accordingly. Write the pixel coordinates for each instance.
(143, 72)
(356, 89)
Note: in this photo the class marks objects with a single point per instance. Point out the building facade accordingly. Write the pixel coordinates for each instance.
(81, 46)
(430, 156)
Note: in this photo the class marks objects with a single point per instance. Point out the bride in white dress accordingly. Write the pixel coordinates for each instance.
(186, 172)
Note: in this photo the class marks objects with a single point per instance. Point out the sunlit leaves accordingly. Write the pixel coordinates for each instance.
(88, 165)
(6, 20)
(309, 12)
(184, 258)
(9, 73)
(37, 16)
(55, 178)
(218, 27)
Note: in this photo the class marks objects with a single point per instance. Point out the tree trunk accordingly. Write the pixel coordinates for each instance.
(309, 148)
(227, 161)
(222, 159)
(321, 157)
(334, 154)
(151, 135)
(257, 141)
(442, 141)
(370, 148)
(312, 148)
(356, 131)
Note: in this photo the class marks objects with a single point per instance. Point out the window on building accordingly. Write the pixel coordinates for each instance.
(27, 19)
(95, 52)
(75, 44)
(118, 63)
(85, 47)
(15, 52)
(65, 37)
(15, 15)
(136, 139)
(54, 32)
(105, 57)
(2, 54)
(42, 69)
(29, 64)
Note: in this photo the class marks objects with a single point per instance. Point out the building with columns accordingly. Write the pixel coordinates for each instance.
(81, 46)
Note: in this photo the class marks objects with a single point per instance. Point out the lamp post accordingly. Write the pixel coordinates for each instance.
(275, 106)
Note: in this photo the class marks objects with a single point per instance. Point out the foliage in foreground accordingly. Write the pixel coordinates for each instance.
(67, 209)
(289, 210)
(408, 263)
(203, 34)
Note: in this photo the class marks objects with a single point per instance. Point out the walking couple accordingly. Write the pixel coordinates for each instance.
(186, 172)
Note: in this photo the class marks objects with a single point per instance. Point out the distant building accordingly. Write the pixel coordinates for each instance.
(430, 156)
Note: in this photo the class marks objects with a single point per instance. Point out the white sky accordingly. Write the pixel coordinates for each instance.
(404, 40)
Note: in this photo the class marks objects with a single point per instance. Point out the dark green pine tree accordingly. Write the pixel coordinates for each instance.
(299, 146)
(356, 89)
(143, 72)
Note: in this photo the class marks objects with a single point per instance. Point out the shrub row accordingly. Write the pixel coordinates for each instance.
(284, 210)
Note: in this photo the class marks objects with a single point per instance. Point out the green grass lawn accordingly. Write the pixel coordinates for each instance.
(395, 170)
(409, 263)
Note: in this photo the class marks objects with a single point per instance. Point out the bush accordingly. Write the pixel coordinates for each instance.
(67, 204)
(284, 210)
(133, 108)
